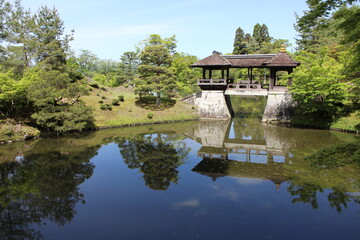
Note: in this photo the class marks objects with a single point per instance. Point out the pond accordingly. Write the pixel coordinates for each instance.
(234, 179)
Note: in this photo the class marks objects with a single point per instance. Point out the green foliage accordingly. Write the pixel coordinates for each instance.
(149, 102)
(155, 73)
(12, 95)
(106, 106)
(115, 102)
(185, 77)
(336, 156)
(239, 42)
(319, 88)
(259, 42)
(11, 131)
(121, 98)
(150, 115)
(94, 84)
(55, 97)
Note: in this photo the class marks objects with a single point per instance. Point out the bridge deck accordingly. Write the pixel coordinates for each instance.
(242, 88)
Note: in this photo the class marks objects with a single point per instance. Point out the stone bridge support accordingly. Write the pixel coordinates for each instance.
(278, 108)
(213, 104)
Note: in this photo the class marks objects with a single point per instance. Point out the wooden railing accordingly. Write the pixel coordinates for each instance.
(247, 87)
(219, 82)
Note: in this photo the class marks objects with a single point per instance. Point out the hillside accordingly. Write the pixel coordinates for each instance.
(131, 110)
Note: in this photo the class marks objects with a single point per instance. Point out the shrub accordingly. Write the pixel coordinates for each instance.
(103, 97)
(106, 107)
(121, 98)
(94, 84)
(101, 101)
(10, 131)
(115, 102)
(150, 115)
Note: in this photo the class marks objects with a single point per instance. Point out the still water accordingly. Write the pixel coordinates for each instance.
(235, 179)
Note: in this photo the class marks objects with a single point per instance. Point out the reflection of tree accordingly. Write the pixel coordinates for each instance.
(307, 193)
(156, 157)
(43, 186)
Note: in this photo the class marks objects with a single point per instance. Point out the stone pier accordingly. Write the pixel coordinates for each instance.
(278, 108)
(212, 104)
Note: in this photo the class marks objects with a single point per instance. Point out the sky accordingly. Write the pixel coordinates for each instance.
(108, 28)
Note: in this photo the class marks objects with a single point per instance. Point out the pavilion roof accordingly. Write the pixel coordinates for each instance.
(282, 59)
(213, 60)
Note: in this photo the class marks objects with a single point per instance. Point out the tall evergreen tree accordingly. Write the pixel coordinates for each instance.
(261, 35)
(239, 42)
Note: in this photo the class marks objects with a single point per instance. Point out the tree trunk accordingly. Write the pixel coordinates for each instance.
(158, 99)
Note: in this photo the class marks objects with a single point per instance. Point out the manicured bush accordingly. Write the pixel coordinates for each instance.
(115, 102)
(101, 101)
(121, 98)
(150, 115)
(103, 97)
(106, 107)
(94, 84)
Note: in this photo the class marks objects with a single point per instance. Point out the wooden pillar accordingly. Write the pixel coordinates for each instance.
(289, 82)
(210, 73)
(227, 74)
(222, 74)
(272, 78)
(251, 75)
(204, 73)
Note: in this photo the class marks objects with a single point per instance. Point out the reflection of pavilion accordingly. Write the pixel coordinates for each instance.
(240, 148)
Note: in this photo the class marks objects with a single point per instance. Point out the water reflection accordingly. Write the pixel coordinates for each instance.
(156, 156)
(248, 149)
(261, 181)
(41, 187)
(240, 148)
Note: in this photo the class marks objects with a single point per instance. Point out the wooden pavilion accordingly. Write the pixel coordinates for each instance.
(274, 62)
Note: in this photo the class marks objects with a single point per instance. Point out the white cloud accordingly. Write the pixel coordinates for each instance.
(250, 181)
(188, 203)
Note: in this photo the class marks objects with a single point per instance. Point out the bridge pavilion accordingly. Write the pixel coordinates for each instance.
(273, 62)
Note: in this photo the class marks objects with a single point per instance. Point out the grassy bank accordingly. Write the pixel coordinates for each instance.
(131, 110)
(349, 123)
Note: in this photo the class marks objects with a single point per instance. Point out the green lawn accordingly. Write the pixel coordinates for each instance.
(131, 113)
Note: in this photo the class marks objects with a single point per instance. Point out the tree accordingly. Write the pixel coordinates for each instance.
(239, 42)
(87, 61)
(155, 74)
(314, 20)
(185, 76)
(319, 89)
(129, 63)
(51, 44)
(18, 32)
(261, 35)
(55, 96)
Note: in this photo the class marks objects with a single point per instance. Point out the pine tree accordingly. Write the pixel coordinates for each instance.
(155, 73)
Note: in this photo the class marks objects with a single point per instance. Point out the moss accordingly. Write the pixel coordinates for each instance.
(11, 132)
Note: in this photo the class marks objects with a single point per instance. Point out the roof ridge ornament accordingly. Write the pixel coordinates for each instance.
(283, 48)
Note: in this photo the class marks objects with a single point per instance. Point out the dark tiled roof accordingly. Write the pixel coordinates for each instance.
(281, 59)
(213, 60)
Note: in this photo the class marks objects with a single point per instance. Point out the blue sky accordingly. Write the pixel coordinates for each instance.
(110, 27)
